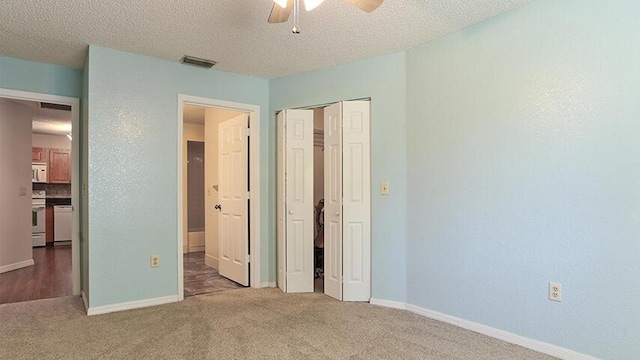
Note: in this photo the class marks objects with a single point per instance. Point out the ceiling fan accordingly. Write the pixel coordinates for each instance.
(282, 9)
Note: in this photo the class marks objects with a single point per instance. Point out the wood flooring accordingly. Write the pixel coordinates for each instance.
(202, 279)
(49, 277)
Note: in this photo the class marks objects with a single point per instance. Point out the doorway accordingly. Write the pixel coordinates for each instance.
(47, 252)
(230, 210)
(202, 180)
(318, 199)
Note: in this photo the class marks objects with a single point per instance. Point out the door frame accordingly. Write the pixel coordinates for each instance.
(254, 183)
(75, 169)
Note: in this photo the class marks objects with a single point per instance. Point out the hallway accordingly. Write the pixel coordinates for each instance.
(202, 279)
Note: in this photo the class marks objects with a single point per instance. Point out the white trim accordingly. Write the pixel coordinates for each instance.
(85, 301)
(211, 261)
(539, 346)
(254, 182)
(75, 168)
(268, 284)
(98, 310)
(16, 266)
(388, 304)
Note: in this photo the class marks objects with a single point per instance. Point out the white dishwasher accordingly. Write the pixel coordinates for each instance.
(62, 218)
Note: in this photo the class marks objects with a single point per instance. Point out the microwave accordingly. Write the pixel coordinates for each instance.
(38, 173)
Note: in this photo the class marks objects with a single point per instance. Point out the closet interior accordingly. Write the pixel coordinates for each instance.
(318, 198)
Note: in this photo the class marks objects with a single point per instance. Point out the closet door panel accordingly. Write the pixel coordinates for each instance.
(333, 201)
(299, 200)
(356, 201)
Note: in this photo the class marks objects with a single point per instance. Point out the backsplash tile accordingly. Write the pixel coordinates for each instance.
(54, 190)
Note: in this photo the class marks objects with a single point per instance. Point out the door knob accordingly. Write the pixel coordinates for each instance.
(218, 206)
(337, 214)
(290, 212)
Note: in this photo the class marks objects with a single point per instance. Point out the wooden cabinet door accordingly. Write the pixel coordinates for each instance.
(59, 166)
(39, 154)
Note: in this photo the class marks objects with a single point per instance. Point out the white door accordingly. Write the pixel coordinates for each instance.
(233, 199)
(347, 258)
(333, 201)
(295, 201)
(356, 201)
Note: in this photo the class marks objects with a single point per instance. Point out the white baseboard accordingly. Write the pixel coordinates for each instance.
(131, 305)
(388, 303)
(267, 284)
(85, 301)
(16, 266)
(211, 261)
(539, 346)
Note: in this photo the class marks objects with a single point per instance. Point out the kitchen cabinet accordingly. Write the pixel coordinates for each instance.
(39, 155)
(59, 166)
(48, 214)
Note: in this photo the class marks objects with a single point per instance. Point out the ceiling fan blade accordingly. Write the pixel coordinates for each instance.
(366, 5)
(280, 15)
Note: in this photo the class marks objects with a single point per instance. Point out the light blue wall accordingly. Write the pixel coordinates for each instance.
(524, 168)
(16, 74)
(383, 80)
(133, 169)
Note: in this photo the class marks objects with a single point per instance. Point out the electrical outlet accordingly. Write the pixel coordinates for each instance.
(555, 292)
(384, 188)
(155, 261)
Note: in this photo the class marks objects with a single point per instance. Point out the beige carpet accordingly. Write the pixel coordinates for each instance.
(239, 324)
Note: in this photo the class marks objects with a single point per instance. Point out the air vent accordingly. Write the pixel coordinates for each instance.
(191, 60)
(44, 105)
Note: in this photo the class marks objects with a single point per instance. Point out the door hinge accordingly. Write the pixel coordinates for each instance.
(248, 259)
(249, 195)
(248, 132)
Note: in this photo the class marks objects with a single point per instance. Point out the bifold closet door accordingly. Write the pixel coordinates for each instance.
(356, 201)
(348, 201)
(295, 201)
(333, 201)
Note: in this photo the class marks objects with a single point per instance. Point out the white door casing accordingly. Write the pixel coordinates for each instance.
(356, 201)
(233, 196)
(298, 199)
(333, 201)
(281, 216)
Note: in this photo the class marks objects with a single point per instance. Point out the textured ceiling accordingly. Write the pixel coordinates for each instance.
(233, 32)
